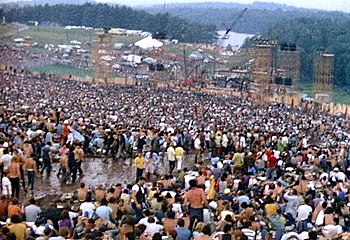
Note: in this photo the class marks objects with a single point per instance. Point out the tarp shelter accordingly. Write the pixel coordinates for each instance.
(148, 43)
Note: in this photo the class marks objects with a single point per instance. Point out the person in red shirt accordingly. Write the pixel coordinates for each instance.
(65, 131)
(271, 166)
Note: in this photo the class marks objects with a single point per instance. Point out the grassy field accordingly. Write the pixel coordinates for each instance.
(4, 29)
(59, 35)
(61, 69)
(340, 94)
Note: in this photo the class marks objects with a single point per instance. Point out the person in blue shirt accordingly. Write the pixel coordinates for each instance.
(46, 150)
(182, 232)
(104, 211)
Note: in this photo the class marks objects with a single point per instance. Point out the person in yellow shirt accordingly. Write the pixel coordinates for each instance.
(179, 155)
(17, 227)
(271, 208)
(140, 165)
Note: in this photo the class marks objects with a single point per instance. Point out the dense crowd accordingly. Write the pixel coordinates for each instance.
(234, 168)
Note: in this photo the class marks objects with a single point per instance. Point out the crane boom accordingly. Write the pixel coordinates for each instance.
(235, 22)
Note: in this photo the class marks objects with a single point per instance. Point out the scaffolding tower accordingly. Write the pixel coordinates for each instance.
(324, 73)
(264, 65)
(288, 66)
(101, 57)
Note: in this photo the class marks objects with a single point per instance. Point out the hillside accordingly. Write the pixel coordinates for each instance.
(107, 16)
(258, 19)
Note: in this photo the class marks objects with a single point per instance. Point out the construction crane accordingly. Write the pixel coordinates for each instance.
(228, 30)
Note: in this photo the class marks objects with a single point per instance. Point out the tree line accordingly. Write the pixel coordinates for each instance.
(317, 35)
(108, 16)
(259, 18)
(312, 30)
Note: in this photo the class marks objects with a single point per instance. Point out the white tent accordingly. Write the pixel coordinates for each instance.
(148, 43)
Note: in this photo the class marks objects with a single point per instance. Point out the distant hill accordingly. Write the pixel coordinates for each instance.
(222, 5)
(42, 2)
(258, 19)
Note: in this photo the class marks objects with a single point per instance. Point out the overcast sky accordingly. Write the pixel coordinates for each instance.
(341, 5)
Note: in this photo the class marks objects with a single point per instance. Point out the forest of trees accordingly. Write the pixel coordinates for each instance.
(104, 16)
(259, 18)
(314, 35)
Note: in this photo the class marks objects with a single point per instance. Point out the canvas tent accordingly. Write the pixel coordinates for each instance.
(148, 43)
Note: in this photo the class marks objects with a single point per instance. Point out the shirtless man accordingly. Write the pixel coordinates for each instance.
(197, 201)
(14, 176)
(82, 192)
(64, 168)
(79, 155)
(30, 165)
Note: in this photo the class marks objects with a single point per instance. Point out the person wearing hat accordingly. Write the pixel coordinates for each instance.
(226, 195)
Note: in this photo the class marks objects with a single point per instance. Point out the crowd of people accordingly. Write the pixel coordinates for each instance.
(201, 166)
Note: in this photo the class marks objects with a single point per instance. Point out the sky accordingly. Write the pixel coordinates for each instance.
(339, 5)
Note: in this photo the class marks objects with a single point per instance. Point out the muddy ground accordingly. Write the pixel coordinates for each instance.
(48, 189)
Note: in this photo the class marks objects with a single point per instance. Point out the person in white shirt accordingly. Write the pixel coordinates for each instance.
(151, 159)
(171, 158)
(6, 185)
(339, 175)
(197, 148)
(303, 215)
(224, 143)
(88, 208)
(147, 213)
(5, 160)
(152, 227)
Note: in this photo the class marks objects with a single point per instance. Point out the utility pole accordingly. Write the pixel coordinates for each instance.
(17, 17)
(185, 62)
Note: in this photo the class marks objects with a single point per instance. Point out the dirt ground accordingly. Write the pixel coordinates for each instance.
(48, 189)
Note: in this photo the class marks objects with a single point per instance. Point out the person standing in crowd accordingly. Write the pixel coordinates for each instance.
(65, 132)
(120, 147)
(46, 156)
(292, 205)
(151, 164)
(31, 169)
(72, 164)
(171, 158)
(196, 201)
(5, 161)
(138, 196)
(271, 165)
(32, 211)
(79, 156)
(14, 176)
(6, 185)
(197, 149)
(179, 155)
(140, 165)
(64, 168)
